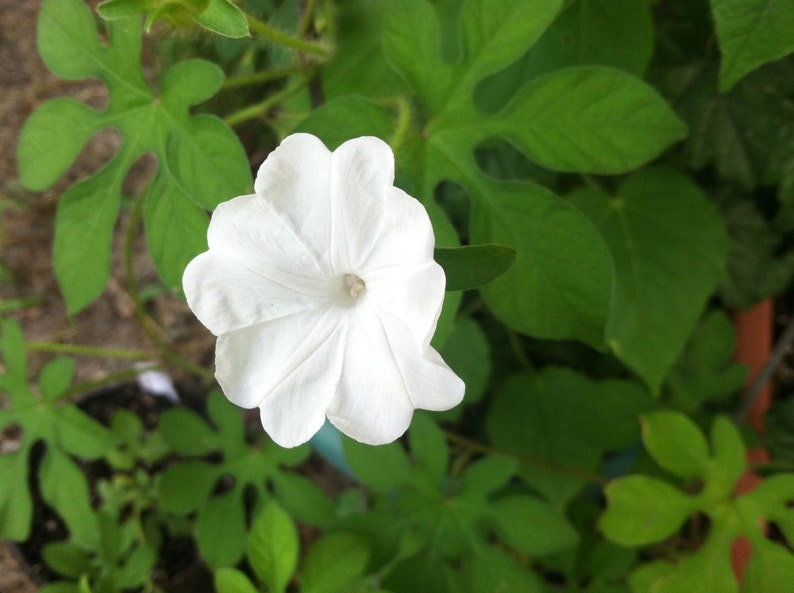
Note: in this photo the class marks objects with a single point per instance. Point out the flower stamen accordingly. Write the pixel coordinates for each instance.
(354, 284)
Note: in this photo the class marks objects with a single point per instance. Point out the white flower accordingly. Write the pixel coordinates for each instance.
(324, 295)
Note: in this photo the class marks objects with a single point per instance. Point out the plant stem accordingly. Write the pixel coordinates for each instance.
(259, 77)
(403, 124)
(119, 377)
(79, 350)
(258, 109)
(754, 391)
(306, 19)
(280, 38)
(143, 318)
(529, 461)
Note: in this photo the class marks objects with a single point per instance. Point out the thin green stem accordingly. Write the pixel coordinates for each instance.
(306, 19)
(259, 77)
(403, 123)
(143, 318)
(529, 461)
(280, 38)
(18, 304)
(518, 350)
(253, 111)
(79, 350)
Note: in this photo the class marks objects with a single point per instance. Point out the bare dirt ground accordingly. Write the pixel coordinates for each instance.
(26, 232)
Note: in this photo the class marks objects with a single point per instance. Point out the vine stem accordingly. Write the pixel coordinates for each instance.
(79, 350)
(143, 318)
(765, 375)
(403, 123)
(280, 38)
(257, 109)
(259, 77)
(529, 461)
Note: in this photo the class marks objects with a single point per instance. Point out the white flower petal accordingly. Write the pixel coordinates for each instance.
(362, 173)
(294, 183)
(251, 363)
(385, 377)
(406, 237)
(225, 295)
(414, 294)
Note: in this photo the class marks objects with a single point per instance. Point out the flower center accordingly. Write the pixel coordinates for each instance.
(354, 285)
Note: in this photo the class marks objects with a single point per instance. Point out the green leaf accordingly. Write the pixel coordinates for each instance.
(552, 419)
(642, 510)
(303, 499)
(382, 468)
(75, 122)
(333, 563)
(231, 580)
(467, 352)
(65, 488)
(59, 587)
(474, 265)
(771, 568)
(751, 33)
(224, 18)
(79, 434)
(220, 530)
(138, 566)
(273, 547)
(675, 443)
(489, 568)
(186, 432)
(531, 525)
(487, 475)
(589, 119)
(55, 378)
(16, 505)
(200, 161)
(347, 117)
(705, 370)
(560, 282)
(669, 248)
(67, 559)
(359, 66)
(186, 486)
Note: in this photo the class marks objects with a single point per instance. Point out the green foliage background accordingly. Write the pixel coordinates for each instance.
(620, 173)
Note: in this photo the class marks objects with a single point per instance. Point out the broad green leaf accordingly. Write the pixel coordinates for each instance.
(79, 434)
(16, 505)
(59, 587)
(758, 266)
(273, 547)
(486, 475)
(55, 378)
(489, 568)
(333, 563)
(231, 580)
(728, 454)
(303, 499)
(345, 118)
(428, 448)
(200, 161)
(381, 468)
(220, 530)
(186, 486)
(531, 525)
(75, 122)
(669, 247)
(65, 488)
(15, 359)
(705, 370)
(751, 33)
(467, 352)
(186, 432)
(474, 265)
(359, 66)
(675, 443)
(589, 119)
(643, 510)
(138, 566)
(560, 282)
(549, 419)
(771, 568)
(616, 33)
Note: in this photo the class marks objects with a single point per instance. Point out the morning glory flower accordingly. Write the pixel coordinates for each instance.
(324, 295)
